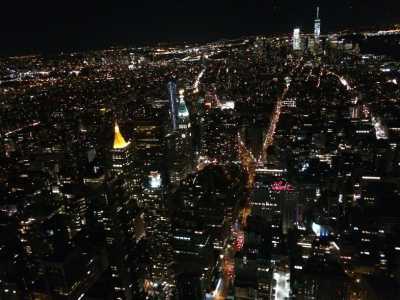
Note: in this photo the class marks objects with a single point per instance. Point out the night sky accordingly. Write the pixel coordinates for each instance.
(32, 26)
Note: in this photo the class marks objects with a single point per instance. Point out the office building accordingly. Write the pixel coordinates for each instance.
(172, 97)
(317, 27)
(296, 39)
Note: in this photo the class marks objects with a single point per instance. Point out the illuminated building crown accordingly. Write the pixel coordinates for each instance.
(119, 141)
(183, 112)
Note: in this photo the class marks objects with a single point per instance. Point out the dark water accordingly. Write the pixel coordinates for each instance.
(389, 45)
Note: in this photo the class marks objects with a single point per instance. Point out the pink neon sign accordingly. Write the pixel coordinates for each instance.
(281, 186)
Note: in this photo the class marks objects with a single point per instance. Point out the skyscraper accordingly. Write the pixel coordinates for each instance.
(150, 129)
(172, 102)
(180, 146)
(317, 26)
(296, 39)
(121, 152)
(123, 163)
(160, 282)
(116, 210)
(114, 215)
(183, 112)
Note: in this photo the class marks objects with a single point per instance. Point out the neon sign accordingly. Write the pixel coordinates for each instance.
(282, 186)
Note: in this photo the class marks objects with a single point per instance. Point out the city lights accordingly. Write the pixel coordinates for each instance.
(258, 167)
(155, 180)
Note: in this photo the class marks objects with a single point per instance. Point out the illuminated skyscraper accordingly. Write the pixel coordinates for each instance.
(160, 282)
(123, 163)
(180, 152)
(317, 26)
(184, 126)
(172, 102)
(116, 212)
(183, 113)
(296, 39)
(150, 129)
(121, 152)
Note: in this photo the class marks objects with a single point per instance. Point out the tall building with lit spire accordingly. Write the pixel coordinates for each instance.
(317, 27)
(121, 153)
(124, 163)
(181, 151)
(122, 218)
(183, 113)
(117, 217)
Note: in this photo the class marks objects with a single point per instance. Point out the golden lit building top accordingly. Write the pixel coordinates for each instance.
(119, 141)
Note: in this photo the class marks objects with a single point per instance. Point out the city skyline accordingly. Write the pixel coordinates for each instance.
(67, 26)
